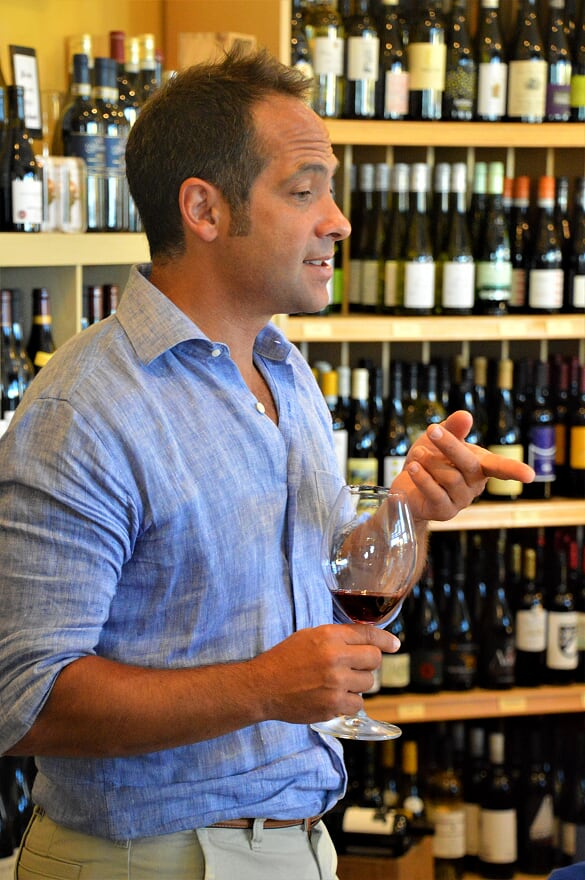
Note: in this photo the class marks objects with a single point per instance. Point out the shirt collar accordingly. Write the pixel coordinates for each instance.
(154, 324)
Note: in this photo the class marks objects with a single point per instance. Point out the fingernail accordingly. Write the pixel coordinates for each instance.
(436, 433)
(413, 467)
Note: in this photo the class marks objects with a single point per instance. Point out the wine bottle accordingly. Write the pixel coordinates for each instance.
(116, 128)
(480, 366)
(560, 403)
(148, 80)
(118, 54)
(546, 277)
(561, 213)
(394, 79)
(394, 238)
(503, 436)
(461, 67)
(10, 386)
(478, 205)
(439, 211)
(497, 655)
(442, 551)
(498, 816)
(7, 849)
(458, 266)
(21, 189)
(462, 397)
(129, 103)
(538, 431)
(326, 35)
(411, 800)
(20, 805)
(558, 53)
(330, 389)
(528, 69)
(426, 409)
(26, 369)
(371, 250)
(300, 52)
(561, 638)
(577, 92)
(535, 806)
(572, 804)
(395, 668)
(363, 62)
(461, 647)
(41, 346)
(427, 653)
(82, 135)
(365, 221)
(575, 484)
(531, 626)
(362, 462)
(418, 261)
(446, 813)
(394, 442)
(575, 276)
(493, 271)
(389, 781)
(476, 586)
(427, 62)
(492, 73)
(520, 242)
(474, 776)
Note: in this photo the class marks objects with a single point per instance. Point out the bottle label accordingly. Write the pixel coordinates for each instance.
(115, 155)
(449, 836)
(458, 285)
(395, 671)
(507, 488)
(531, 629)
(518, 293)
(471, 829)
(27, 201)
(541, 452)
(578, 297)
(391, 283)
(42, 358)
(340, 442)
(527, 88)
(419, 285)
(363, 58)
(577, 448)
(542, 825)
(497, 843)
(493, 280)
(558, 97)
(577, 97)
(561, 642)
(362, 471)
(91, 148)
(370, 281)
(427, 64)
(545, 288)
(561, 442)
(501, 662)
(427, 669)
(327, 55)
(396, 93)
(461, 665)
(392, 466)
(491, 90)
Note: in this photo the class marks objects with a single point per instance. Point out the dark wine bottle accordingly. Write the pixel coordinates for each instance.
(427, 62)
(492, 73)
(498, 848)
(394, 238)
(530, 624)
(461, 67)
(493, 270)
(475, 579)
(427, 653)
(393, 82)
(546, 277)
(330, 389)
(148, 79)
(446, 813)
(116, 129)
(520, 242)
(362, 462)
(461, 646)
(497, 655)
(364, 219)
(410, 788)
(538, 431)
(478, 205)
(503, 435)
(528, 68)
(572, 803)
(577, 94)
(372, 240)
(575, 276)
(394, 442)
(535, 806)
(426, 409)
(363, 62)
(576, 440)
(558, 54)
(395, 668)
(462, 397)
(300, 52)
(10, 385)
(21, 189)
(474, 776)
(561, 640)
(41, 346)
(439, 211)
(559, 405)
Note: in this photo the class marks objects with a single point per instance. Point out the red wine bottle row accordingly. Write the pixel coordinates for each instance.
(421, 244)
(16, 778)
(534, 411)
(392, 59)
(493, 610)
(498, 796)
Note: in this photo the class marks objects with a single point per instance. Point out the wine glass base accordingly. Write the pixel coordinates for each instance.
(359, 726)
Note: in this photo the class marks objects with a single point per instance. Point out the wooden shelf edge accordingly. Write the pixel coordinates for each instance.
(478, 703)
(516, 515)
(53, 249)
(379, 328)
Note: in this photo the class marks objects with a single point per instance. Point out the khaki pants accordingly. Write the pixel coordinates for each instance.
(52, 852)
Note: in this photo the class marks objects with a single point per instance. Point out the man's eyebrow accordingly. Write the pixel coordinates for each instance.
(313, 168)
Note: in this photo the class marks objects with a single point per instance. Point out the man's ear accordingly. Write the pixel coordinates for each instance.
(200, 204)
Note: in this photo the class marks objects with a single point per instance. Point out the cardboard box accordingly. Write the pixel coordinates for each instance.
(416, 864)
(197, 48)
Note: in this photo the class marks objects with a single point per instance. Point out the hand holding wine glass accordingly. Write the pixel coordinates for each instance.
(369, 554)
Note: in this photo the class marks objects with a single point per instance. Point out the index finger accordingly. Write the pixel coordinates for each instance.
(474, 460)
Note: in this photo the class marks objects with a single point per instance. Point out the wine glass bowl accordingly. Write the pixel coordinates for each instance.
(369, 557)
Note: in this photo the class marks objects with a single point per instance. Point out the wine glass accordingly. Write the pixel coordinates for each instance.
(368, 554)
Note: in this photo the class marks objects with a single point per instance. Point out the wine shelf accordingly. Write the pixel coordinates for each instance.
(473, 328)
(54, 249)
(561, 512)
(478, 703)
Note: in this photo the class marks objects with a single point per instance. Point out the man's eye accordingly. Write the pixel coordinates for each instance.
(303, 194)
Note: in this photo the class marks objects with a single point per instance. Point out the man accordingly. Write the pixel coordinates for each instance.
(166, 635)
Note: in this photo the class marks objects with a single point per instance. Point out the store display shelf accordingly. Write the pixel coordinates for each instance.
(559, 512)
(54, 249)
(379, 328)
(478, 703)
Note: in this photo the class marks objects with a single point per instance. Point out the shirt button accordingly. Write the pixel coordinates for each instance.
(215, 353)
(260, 407)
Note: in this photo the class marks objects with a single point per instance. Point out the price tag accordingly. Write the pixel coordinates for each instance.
(512, 705)
(318, 329)
(411, 712)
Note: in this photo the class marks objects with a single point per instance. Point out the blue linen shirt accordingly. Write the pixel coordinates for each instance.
(151, 514)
